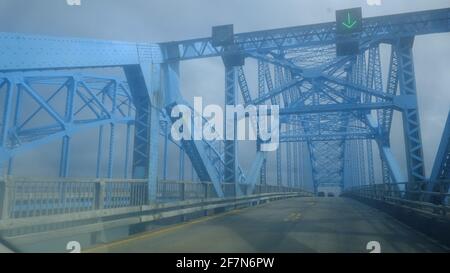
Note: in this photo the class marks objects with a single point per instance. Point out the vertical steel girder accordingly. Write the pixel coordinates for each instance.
(127, 147)
(301, 165)
(99, 152)
(230, 170)
(181, 170)
(280, 78)
(362, 162)
(64, 160)
(265, 79)
(361, 72)
(385, 116)
(274, 101)
(145, 86)
(353, 164)
(112, 136)
(373, 81)
(166, 147)
(254, 171)
(7, 104)
(352, 152)
(279, 170)
(279, 81)
(258, 167)
(370, 167)
(243, 86)
(65, 148)
(441, 166)
(261, 92)
(296, 167)
(411, 124)
(347, 181)
(385, 171)
(389, 167)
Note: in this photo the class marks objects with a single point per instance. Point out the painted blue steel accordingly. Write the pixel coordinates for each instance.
(370, 164)
(66, 53)
(230, 172)
(166, 149)
(99, 151)
(327, 103)
(441, 167)
(411, 124)
(181, 168)
(382, 27)
(21, 136)
(127, 147)
(275, 101)
(261, 92)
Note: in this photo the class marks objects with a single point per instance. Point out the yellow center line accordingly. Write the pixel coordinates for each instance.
(153, 233)
(292, 217)
(150, 234)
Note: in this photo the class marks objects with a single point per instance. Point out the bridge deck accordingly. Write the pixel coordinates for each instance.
(293, 225)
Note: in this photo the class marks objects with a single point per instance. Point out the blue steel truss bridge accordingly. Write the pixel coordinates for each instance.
(336, 115)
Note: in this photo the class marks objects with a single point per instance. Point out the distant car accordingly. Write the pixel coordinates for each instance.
(321, 194)
(330, 194)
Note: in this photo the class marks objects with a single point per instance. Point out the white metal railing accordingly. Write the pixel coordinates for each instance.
(413, 195)
(33, 197)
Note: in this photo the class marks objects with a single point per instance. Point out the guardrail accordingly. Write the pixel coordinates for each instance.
(411, 195)
(33, 197)
(110, 205)
(33, 209)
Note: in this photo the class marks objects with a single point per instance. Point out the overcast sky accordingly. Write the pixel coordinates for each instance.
(165, 20)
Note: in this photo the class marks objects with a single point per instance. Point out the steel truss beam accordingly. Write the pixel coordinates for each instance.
(230, 170)
(261, 92)
(441, 167)
(326, 101)
(89, 112)
(382, 27)
(411, 124)
(67, 53)
(299, 137)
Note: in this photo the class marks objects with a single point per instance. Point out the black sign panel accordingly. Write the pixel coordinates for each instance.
(347, 48)
(222, 35)
(349, 21)
(348, 29)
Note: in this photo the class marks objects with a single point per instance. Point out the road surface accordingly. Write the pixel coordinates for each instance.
(314, 225)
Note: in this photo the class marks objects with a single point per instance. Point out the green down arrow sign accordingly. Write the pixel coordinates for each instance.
(349, 26)
(350, 23)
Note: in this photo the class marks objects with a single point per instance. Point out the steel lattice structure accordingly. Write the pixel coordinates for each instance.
(333, 109)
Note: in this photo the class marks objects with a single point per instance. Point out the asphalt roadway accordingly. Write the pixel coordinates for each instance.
(311, 225)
